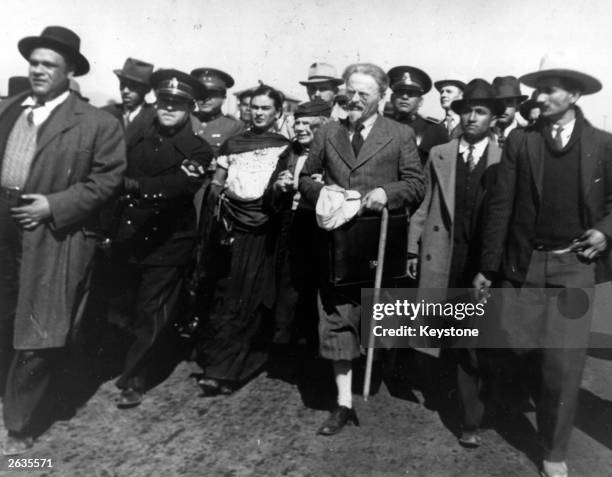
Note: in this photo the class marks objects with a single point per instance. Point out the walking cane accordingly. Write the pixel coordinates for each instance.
(380, 263)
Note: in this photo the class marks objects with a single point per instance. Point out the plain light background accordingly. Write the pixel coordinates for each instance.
(276, 40)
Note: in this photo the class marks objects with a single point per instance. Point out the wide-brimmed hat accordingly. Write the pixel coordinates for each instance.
(213, 78)
(450, 81)
(322, 73)
(562, 64)
(175, 83)
(60, 39)
(409, 78)
(508, 87)
(479, 91)
(135, 70)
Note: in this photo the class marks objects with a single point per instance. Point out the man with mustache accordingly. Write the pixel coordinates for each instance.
(378, 158)
(547, 230)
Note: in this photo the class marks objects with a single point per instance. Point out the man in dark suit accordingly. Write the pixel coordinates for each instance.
(548, 224)
(133, 112)
(508, 90)
(61, 160)
(450, 90)
(446, 231)
(378, 158)
(409, 84)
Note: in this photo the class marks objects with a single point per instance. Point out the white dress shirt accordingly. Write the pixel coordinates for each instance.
(40, 113)
(367, 127)
(566, 132)
(477, 153)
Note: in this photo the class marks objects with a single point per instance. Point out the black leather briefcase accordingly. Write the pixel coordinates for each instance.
(353, 250)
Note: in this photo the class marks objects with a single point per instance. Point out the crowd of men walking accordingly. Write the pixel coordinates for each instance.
(187, 222)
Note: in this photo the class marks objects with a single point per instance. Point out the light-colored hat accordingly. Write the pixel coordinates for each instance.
(562, 64)
(322, 73)
(336, 206)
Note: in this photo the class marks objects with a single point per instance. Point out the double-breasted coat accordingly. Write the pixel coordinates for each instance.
(78, 165)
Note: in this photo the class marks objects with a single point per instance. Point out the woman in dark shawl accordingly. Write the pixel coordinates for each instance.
(237, 259)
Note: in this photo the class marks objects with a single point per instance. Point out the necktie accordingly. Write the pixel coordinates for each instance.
(557, 140)
(357, 140)
(126, 119)
(471, 160)
(450, 123)
(30, 116)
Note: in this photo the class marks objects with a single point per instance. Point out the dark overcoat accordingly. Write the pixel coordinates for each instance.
(78, 165)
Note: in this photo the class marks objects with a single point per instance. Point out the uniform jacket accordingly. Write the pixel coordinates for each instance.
(78, 165)
(387, 159)
(431, 227)
(513, 210)
(138, 124)
(217, 131)
(158, 227)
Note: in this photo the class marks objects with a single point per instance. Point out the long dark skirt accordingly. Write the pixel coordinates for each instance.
(233, 340)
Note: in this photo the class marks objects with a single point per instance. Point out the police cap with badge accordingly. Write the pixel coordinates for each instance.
(409, 78)
(176, 85)
(213, 79)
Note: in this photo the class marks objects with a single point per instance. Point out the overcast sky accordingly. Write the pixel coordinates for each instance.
(276, 40)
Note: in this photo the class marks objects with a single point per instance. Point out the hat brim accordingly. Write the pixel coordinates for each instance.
(589, 83)
(29, 43)
(199, 89)
(442, 83)
(334, 81)
(519, 98)
(497, 107)
(403, 87)
(121, 76)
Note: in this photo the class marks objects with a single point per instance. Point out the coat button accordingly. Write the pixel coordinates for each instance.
(427, 257)
(436, 228)
(129, 222)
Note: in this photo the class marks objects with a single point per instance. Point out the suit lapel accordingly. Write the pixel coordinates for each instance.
(340, 142)
(444, 165)
(60, 120)
(588, 149)
(375, 141)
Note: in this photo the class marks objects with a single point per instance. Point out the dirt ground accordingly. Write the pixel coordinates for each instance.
(267, 428)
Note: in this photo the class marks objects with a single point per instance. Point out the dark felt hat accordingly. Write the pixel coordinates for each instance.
(135, 70)
(18, 84)
(508, 87)
(527, 106)
(213, 79)
(317, 107)
(175, 83)
(479, 91)
(60, 39)
(409, 78)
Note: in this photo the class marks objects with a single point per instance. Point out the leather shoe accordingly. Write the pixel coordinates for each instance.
(339, 417)
(553, 469)
(214, 387)
(17, 445)
(470, 439)
(129, 397)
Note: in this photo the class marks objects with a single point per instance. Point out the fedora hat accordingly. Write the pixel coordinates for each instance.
(322, 73)
(135, 70)
(508, 87)
(60, 39)
(479, 91)
(171, 82)
(17, 84)
(527, 106)
(558, 64)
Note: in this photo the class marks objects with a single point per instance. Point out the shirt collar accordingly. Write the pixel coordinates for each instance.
(479, 148)
(567, 131)
(31, 102)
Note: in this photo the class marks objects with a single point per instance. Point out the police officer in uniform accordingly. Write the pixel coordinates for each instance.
(156, 235)
(409, 84)
(209, 122)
